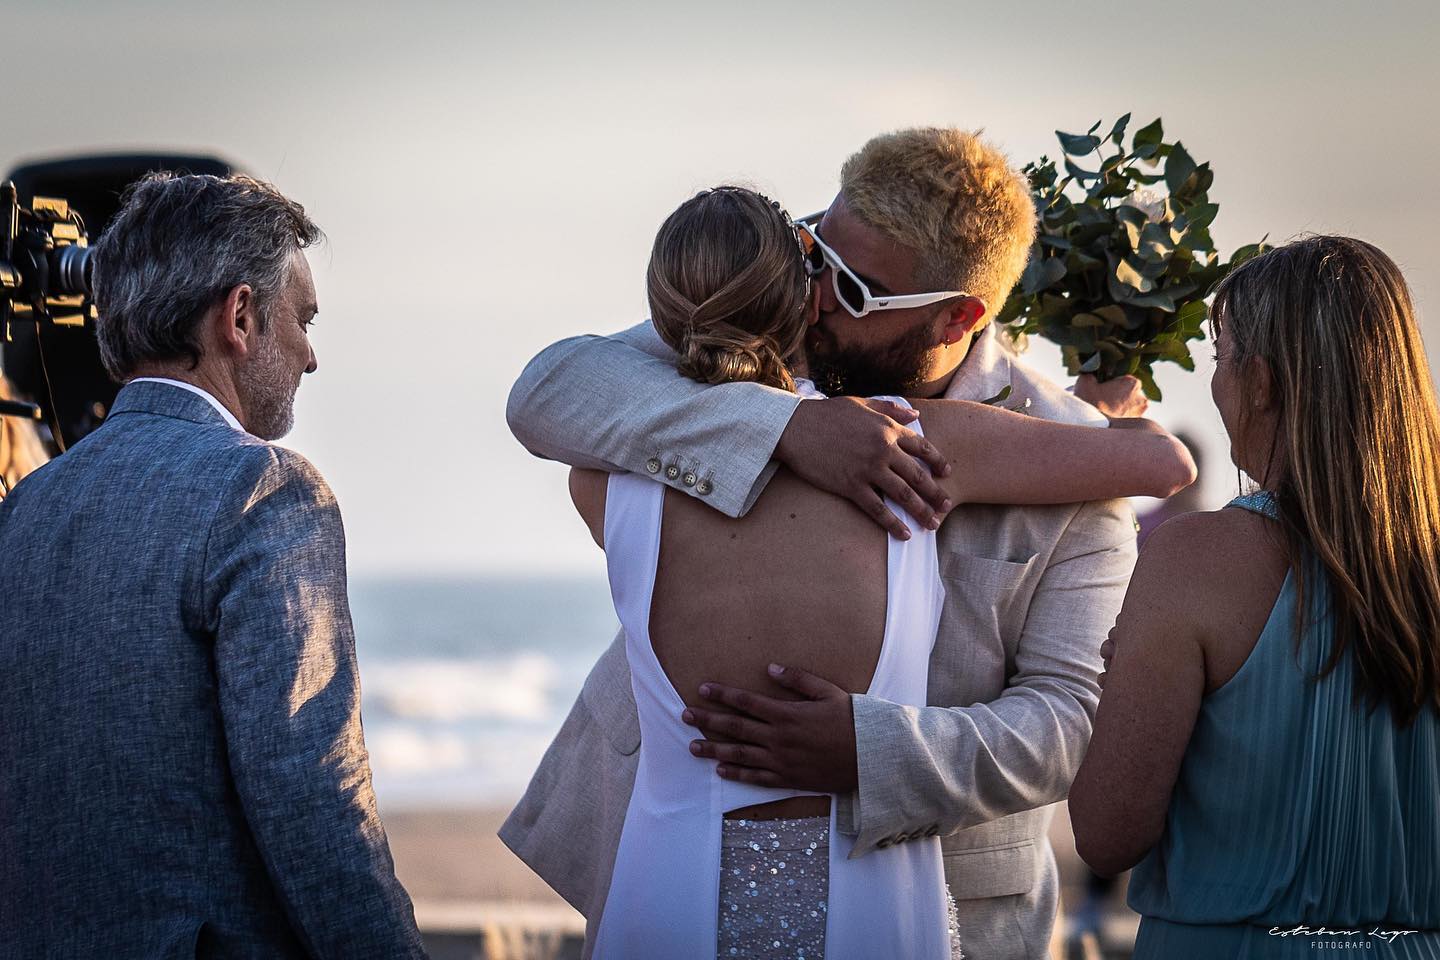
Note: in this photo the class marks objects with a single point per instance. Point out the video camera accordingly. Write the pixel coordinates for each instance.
(44, 270)
(47, 319)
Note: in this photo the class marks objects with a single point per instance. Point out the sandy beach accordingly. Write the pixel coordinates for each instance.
(473, 897)
(465, 882)
(454, 855)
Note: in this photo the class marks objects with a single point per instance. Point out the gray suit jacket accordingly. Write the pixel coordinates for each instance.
(182, 770)
(1031, 592)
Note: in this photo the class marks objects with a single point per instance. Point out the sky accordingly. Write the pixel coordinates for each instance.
(490, 177)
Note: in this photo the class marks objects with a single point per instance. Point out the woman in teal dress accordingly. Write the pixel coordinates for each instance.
(1266, 752)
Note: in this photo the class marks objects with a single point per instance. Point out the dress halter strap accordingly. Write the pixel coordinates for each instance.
(1261, 502)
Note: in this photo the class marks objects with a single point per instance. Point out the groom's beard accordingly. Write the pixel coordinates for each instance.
(895, 369)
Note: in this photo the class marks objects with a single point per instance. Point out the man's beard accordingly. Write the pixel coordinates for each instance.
(270, 392)
(895, 369)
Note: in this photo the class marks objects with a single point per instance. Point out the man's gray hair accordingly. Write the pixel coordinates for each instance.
(177, 247)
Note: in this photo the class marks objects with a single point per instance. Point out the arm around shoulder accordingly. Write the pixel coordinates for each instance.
(616, 403)
(1003, 457)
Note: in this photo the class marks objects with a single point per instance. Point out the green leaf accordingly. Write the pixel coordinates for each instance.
(1192, 315)
(1132, 234)
(1202, 214)
(1178, 168)
(1155, 298)
(1086, 320)
(1000, 397)
(1012, 309)
(1144, 179)
(1247, 252)
(1127, 213)
(1078, 173)
(1112, 313)
(1117, 132)
(1147, 382)
(1149, 135)
(1204, 177)
(1114, 187)
(1110, 351)
(1128, 274)
(1077, 145)
(1040, 274)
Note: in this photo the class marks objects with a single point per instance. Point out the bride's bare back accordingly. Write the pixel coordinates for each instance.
(800, 580)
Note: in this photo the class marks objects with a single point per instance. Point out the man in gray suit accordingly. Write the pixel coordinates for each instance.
(182, 769)
(1031, 591)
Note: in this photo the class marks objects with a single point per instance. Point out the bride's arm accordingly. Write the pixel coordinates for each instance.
(998, 456)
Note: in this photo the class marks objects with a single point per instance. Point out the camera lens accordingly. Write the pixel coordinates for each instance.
(72, 269)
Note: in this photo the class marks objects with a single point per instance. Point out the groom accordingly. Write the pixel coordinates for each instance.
(1031, 591)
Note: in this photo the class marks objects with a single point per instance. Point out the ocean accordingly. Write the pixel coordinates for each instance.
(465, 681)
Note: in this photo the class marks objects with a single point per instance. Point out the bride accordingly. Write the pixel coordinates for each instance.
(715, 867)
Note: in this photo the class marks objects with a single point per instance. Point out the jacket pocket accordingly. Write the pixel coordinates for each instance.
(999, 871)
(987, 600)
(996, 576)
(611, 699)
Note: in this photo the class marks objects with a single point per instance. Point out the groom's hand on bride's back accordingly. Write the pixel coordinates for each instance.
(805, 744)
(861, 450)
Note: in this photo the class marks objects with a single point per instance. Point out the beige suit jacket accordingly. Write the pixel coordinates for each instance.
(1030, 594)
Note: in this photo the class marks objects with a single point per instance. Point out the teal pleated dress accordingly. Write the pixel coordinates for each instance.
(1294, 808)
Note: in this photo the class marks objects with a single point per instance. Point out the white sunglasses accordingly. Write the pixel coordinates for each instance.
(850, 290)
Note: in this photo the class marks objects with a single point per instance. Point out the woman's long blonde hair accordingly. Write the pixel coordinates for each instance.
(1355, 463)
(728, 288)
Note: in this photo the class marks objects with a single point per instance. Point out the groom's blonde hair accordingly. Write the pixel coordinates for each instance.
(954, 200)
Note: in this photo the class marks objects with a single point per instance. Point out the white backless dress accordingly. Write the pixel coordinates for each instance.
(662, 902)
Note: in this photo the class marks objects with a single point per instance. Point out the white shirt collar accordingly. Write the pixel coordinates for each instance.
(807, 390)
(219, 407)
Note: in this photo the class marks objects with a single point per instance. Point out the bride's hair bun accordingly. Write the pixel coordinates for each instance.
(727, 288)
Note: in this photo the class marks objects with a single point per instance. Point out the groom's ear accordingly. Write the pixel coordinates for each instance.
(962, 318)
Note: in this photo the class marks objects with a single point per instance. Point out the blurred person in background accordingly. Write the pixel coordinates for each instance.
(182, 770)
(1267, 749)
(21, 449)
(1188, 500)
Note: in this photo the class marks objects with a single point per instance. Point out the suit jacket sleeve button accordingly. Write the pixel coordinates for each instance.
(671, 472)
(704, 487)
(653, 465)
(933, 831)
(688, 478)
(882, 843)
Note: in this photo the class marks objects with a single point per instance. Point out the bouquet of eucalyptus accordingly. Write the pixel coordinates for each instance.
(1123, 258)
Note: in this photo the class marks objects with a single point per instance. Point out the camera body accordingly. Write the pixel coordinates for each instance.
(47, 324)
(44, 271)
(45, 263)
